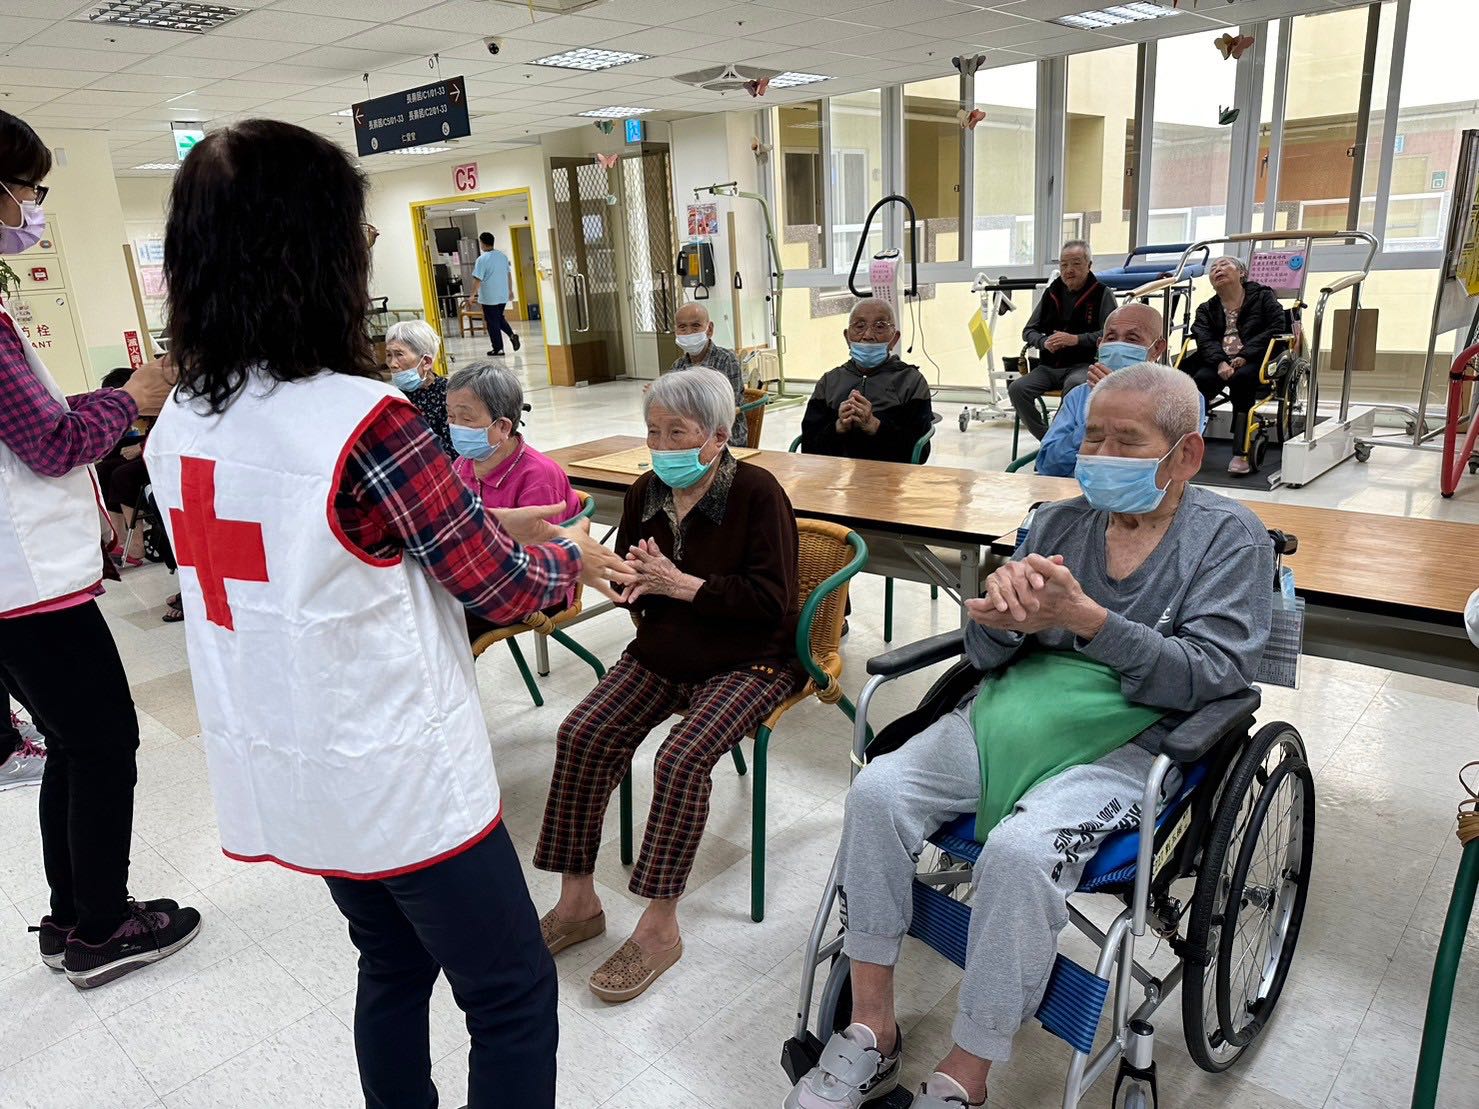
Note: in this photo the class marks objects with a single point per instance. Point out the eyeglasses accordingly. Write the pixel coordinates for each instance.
(41, 191)
(884, 328)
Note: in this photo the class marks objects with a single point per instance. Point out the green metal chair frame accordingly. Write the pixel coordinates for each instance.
(587, 510)
(819, 681)
(916, 458)
(1021, 463)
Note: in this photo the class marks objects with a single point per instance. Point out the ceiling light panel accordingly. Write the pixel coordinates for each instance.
(615, 112)
(162, 167)
(1115, 16)
(587, 58)
(162, 15)
(791, 79)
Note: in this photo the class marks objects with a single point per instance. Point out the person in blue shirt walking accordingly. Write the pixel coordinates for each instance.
(491, 288)
(1133, 333)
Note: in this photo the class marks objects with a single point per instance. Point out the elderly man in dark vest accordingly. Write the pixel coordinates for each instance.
(1065, 327)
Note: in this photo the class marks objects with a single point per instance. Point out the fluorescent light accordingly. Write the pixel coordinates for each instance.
(584, 57)
(790, 80)
(169, 167)
(1138, 11)
(345, 112)
(464, 211)
(617, 112)
(162, 15)
(435, 148)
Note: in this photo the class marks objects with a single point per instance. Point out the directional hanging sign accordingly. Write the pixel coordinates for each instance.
(415, 117)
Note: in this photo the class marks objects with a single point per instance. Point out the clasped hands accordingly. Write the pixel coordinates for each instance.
(856, 414)
(1230, 367)
(599, 567)
(1036, 593)
(1058, 340)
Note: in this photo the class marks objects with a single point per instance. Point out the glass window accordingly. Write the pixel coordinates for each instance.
(932, 175)
(1320, 114)
(1272, 48)
(798, 170)
(856, 123)
(1006, 166)
(1097, 143)
(1190, 150)
(942, 319)
(1438, 102)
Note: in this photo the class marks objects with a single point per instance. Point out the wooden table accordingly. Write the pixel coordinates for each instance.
(1386, 591)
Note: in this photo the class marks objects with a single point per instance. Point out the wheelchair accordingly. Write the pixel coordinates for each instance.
(1283, 383)
(1240, 827)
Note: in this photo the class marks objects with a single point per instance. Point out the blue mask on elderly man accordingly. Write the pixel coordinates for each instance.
(407, 381)
(1124, 485)
(1116, 356)
(680, 469)
(868, 355)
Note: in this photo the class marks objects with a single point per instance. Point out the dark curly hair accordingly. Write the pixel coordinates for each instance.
(24, 158)
(266, 261)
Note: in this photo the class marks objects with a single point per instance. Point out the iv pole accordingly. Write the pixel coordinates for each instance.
(777, 273)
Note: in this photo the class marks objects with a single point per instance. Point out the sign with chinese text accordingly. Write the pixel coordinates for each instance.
(1281, 270)
(39, 274)
(636, 130)
(135, 349)
(414, 117)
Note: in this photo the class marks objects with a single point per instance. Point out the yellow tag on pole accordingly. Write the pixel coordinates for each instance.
(980, 333)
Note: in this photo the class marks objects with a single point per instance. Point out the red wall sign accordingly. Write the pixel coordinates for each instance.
(135, 349)
(38, 273)
(465, 178)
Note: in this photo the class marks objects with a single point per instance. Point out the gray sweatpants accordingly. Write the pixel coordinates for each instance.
(1024, 392)
(1029, 865)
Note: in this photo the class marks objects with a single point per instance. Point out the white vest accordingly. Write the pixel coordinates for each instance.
(50, 531)
(337, 698)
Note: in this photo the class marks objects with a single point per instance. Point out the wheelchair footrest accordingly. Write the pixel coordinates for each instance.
(1073, 1003)
(897, 1098)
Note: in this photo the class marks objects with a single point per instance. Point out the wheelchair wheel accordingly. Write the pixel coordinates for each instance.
(1294, 377)
(1259, 453)
(1249, 899)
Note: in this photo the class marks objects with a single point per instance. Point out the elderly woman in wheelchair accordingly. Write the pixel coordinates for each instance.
(1105, 662)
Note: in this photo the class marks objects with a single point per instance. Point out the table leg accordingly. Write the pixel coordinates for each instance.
(541, 655)
(970, 577)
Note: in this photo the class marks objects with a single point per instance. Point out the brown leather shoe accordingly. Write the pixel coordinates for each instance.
(559, 934)
(630, 971)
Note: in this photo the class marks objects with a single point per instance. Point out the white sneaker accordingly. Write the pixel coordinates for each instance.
(24, 768)
(943, 1092)
(850, 1071)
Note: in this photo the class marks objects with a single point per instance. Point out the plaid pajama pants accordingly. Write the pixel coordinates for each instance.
(595, 748)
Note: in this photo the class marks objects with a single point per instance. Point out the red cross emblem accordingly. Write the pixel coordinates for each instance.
(216, 549)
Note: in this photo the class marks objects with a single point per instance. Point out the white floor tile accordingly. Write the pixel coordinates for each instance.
(83, 1071)
(1382, 1064)
(38, 1007)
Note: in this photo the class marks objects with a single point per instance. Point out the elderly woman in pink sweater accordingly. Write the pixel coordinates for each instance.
(485, 405)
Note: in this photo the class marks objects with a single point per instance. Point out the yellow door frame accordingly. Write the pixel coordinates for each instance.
(513, 228)
(424, 257)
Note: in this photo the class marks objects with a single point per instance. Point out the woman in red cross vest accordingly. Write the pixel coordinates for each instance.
(327, 553)
(56, 653)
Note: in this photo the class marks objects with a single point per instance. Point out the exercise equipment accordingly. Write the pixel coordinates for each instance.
(996, 301)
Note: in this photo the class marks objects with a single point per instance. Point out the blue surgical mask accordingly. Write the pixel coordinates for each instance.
(470, 442)
(868, 355)
(1124, 485)
(1116, 356)
(407, 381)
(680, 469)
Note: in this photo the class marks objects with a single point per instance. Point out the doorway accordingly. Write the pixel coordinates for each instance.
(447, 243)
(615, 244)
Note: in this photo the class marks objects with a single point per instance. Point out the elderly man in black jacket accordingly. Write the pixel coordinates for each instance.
(1233, 331)
(1065, 327)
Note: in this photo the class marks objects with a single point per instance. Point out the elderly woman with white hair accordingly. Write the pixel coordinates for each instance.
(713, 543)
(1233, 330)
(411, 348)
(1122, 612)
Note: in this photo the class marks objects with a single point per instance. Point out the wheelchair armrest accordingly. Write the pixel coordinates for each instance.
(1205, 728)
(916, 656)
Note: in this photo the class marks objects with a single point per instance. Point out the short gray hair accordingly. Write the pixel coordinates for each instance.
(1171, 396)
(494, 385)
(702, 395)
(861, 301)
(1235, 260)
(1078, 244)
(417, 336)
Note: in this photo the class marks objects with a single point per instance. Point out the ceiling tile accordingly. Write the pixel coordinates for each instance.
(43, 9)
(573, 30)
(879, 43)
(657, 13)
(283, 26)
(298, 74)
(735, 50)
(65, 58)
(246, 50)
(101, 36)
(16, 29)
(814, 32)
(1183, 23)
(742, 20)
(384, 10)
(346, 60)
(146, 82)
(400, 41)
(471, 16)
(104, 98)
(24, 79)
(662, 40)
(175, 65)
(968, 26)
(845, 7)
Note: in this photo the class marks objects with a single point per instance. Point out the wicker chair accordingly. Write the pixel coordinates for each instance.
(543, 624)
(753, 410)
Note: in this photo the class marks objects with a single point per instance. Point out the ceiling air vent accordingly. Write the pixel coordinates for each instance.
(725, 78)
(548, 7)
(162, 15)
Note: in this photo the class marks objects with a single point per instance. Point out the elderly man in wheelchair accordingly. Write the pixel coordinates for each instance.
(1108, 671)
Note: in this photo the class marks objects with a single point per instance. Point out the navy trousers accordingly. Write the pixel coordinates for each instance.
(497, 325)
(471, 919)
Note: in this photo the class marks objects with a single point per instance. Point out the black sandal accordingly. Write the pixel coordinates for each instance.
(174, 610)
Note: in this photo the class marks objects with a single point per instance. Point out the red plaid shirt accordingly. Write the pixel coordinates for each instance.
(399, 494)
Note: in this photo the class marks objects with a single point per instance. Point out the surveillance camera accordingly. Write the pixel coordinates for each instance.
(495, 46)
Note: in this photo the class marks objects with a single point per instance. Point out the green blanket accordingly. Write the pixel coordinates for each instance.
(1042, 714)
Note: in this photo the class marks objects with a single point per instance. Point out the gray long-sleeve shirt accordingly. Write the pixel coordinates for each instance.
(1187, 627)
